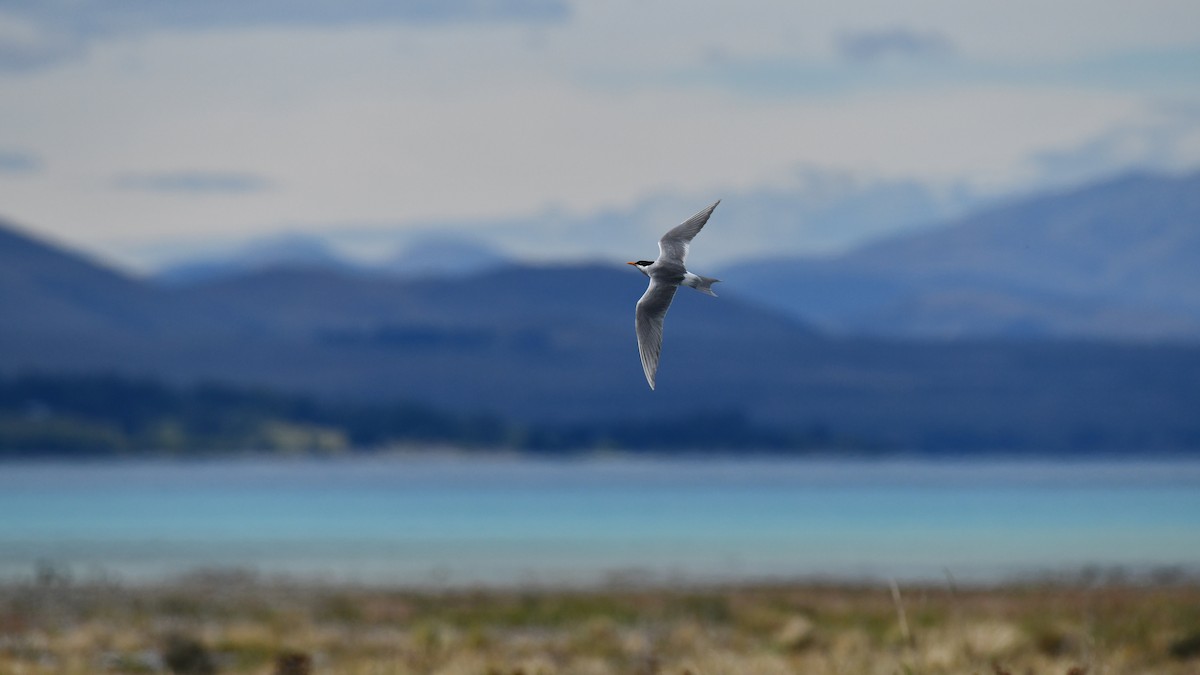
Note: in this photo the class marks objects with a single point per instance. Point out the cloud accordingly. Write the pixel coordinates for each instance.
(872, 46)
(1168, 141)
(194, 182)
(34, 34)
(818, 211)
(27, 43)
(16, 161)
(796, 72)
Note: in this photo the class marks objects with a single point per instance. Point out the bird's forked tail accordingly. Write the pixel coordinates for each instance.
(704, 284)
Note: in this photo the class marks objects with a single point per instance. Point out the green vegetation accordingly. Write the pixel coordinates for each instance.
(240, 624)
(106, 415)
(112, 416)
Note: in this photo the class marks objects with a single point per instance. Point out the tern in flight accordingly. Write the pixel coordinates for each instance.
(666, 274)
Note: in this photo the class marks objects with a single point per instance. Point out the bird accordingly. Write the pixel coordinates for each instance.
(666, 274)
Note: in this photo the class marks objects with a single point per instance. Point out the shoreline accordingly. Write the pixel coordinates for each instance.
(1148, 578)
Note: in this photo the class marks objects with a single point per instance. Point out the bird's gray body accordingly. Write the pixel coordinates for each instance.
(667, 274)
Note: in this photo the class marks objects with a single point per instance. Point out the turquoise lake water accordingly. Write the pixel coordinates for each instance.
(466, 521)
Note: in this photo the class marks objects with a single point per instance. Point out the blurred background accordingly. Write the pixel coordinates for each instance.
(360, 241)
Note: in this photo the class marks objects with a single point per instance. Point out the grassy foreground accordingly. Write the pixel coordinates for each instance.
(241, 624)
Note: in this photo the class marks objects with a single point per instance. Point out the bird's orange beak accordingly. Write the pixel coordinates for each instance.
(631, 263)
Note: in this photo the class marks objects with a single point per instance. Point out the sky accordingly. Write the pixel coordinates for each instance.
(144, 129)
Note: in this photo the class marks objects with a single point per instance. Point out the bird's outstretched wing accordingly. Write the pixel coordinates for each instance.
(674, 244)
(651, 310)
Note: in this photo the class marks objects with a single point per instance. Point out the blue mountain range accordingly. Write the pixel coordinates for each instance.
(827, 349)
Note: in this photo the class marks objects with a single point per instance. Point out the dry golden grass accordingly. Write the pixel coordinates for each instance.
(237, 624)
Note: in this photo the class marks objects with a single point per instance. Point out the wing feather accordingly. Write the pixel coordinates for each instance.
(651, 310)
(674, 244)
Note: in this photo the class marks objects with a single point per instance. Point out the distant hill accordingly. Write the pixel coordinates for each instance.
(444, 256)
(62, 310)
(54, 301)
(426, 256)
(285, 250)
(526, 341)
(484, 342)
(1118, 259)
(553, 346)
(47, 291)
